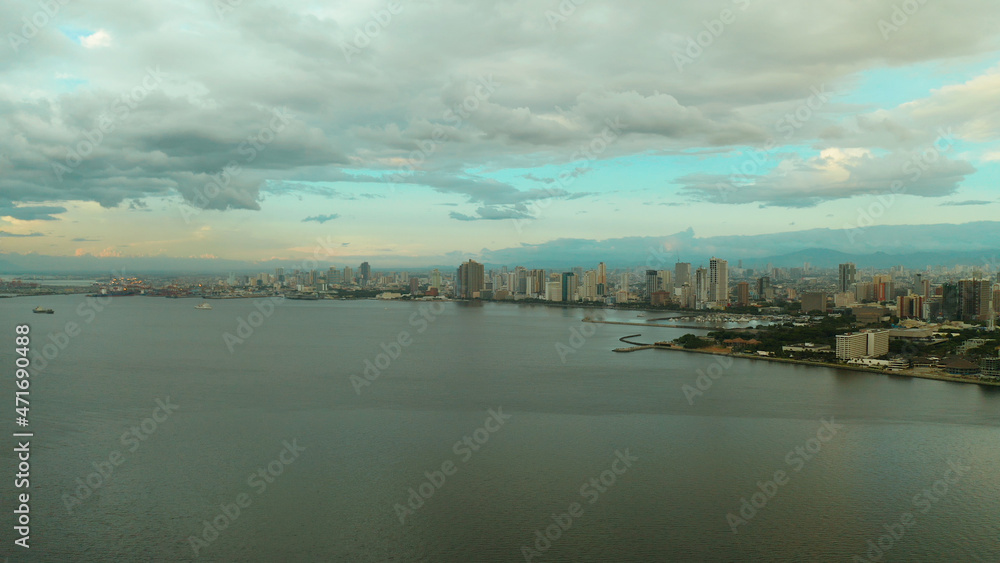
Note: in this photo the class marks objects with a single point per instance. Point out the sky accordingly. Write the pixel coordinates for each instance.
(416, 132)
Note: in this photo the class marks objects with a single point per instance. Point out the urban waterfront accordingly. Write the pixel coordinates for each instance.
(316, 429)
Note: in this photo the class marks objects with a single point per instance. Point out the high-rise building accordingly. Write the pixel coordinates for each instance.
(864, 291)
(348, 275)
(911, 307)
(366, 273)
(743, 294)
(688, 299)
(848, 277)
(436, 279)
(666, 278)
(975, 300)
(682, 274)
(470, 280)
(764, 290)
(520, 284)
(568, 287)
(922, 286)
(949, 302)
(414, 286)
(814, 301)
(652, 284)
(884, 288)
(602, 279)
(866, 344)
(701, 286)
(538, 281)
(718, 280)
(588, 290)
(335, 276)
(553, 291)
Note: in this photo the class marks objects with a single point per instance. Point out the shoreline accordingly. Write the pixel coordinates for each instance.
(905, 373)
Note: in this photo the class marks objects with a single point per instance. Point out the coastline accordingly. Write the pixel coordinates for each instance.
(715, 351)
(903, 373)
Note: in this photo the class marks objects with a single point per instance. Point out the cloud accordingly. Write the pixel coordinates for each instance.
(321, 218)
(834, 174)
(31, 213)
(100, 38)
(493, 213)
(392, 107)
(968, 202)
(6, 234)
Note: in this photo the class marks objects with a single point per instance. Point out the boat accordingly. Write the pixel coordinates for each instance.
(204, 305)
(40, 310)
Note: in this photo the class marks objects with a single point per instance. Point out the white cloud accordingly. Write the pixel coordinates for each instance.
(100, 38)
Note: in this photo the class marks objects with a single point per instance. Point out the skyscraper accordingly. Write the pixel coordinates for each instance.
(666, 278)
(975, 298)
(538, 281)
(436, 279)
(470, 280)
(701, 285)
(682, 274)
(848, 277)
(602, 279)
(568, 287)
(348, 275)
(652, 283)
(366, 273)
(588, 290)
(764, 288)
(743, 294)
(718, 282)
(884, 288)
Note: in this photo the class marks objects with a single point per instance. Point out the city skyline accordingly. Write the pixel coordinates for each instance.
(117, 141)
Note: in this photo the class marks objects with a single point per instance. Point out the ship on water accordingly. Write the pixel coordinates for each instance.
(204, 305)
(41, 310)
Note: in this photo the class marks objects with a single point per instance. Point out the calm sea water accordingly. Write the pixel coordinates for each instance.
(568, 404)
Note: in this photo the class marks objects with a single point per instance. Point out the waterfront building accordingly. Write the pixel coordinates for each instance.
(718, 280)
(588, 290)
(569, 283)
(470, 280)
(865, 344)
(553, 291)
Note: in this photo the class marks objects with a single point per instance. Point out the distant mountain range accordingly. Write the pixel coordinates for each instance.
(912, 246)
